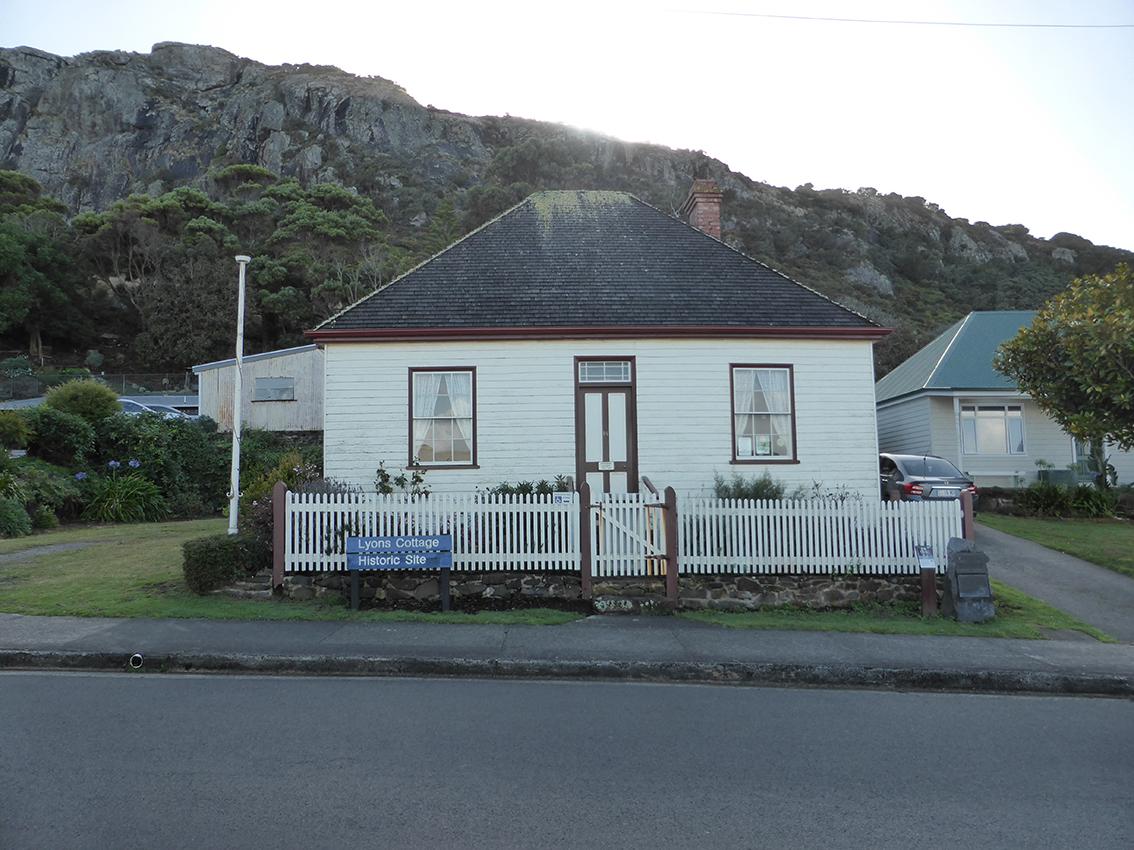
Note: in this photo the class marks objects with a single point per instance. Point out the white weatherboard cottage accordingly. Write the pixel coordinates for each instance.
(587, 334)
(948, 400)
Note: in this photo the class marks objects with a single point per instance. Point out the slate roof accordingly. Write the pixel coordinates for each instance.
(591, 259)
(959, 359)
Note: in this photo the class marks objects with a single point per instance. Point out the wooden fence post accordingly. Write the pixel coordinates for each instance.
(585, 538)
(671, 559)
(967, 515)
(279, 536)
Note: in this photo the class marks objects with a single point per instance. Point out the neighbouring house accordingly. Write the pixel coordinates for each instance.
(948, 400)
(588, 334)
(281, 390)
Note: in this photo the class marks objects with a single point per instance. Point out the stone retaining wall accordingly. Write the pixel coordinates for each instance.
(513, 589)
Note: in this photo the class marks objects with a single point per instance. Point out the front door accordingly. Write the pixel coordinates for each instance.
(606, 440)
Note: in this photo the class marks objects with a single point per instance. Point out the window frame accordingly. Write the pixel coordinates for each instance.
(761, 460)
(258, 378)
(411, 461)
(976, 405)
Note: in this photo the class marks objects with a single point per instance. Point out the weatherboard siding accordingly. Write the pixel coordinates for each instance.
(305, 413)
(526, 409)
(904, 428)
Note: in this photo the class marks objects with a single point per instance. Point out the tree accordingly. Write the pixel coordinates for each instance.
(1076, 360)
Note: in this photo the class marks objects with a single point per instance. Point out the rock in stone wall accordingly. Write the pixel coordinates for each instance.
(422, 590)
(511, 589)
(750, 593)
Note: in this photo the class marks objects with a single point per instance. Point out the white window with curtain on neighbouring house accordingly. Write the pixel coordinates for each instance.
(992, 429)
(762, 413)
(441, 411)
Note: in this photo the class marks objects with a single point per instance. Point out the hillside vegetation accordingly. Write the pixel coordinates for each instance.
(150, 170)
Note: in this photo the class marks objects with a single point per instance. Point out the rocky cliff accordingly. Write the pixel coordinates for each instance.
(99, 126)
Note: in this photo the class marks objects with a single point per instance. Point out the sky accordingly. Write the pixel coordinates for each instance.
(1010, 125)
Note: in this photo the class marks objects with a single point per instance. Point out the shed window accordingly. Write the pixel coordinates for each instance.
(442, 417)
(763, 415)
(992, 429)
(274, 389)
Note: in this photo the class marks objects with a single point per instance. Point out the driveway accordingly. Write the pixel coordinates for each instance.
(1095, 595)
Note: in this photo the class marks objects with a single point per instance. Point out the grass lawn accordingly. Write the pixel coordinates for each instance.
(1017, 616)
(135, 571)
(1106, 542)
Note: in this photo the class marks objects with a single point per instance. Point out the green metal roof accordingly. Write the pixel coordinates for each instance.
(959, 359)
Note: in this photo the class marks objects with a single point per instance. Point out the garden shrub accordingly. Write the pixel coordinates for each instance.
(187, 460)
(1124, 501)
(14, 430)
(14, 520)
(59, 437)
(212, 562)
(256, 519)
(1090, 501)
(562, 484)
(43, 517)
(89, 399)
(47, 486)
(742, 487)
(124, 498)
(1044, 499)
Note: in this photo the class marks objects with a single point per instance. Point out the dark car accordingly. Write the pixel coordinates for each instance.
(917, 477)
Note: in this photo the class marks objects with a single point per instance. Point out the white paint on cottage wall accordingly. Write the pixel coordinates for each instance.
(526, 409)
(904, 428)
(303, 414)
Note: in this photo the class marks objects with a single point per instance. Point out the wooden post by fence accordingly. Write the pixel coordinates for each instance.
(585, 527)
(279, 538)
(671, 545)
(967, 514)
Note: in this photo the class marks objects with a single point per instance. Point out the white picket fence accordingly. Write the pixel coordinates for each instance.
(522, 532)
(543, 533)
(863, 536)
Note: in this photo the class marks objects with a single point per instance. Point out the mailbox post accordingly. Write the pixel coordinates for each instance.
(968, 593)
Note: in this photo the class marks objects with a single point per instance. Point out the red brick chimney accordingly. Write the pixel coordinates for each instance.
(702, 209)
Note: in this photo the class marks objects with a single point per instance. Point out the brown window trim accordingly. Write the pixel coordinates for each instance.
(732, 367)
(412, 463)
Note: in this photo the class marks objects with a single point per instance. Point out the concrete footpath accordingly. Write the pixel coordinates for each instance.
(632, 648)
(1098, 596)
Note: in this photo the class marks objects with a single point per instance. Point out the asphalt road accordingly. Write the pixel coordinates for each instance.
(153, 761)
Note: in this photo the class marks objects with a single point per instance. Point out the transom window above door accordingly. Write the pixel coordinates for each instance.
(992, 429)
(443, 417)
(604, 371)
(763, 414)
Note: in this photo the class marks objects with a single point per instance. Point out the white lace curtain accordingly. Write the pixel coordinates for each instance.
(761, 391)
(442, 416)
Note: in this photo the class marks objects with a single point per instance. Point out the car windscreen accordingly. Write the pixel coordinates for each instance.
(930, 467)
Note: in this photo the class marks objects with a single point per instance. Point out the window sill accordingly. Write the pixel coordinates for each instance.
(442, 466)
(271, 400)
(762, 462)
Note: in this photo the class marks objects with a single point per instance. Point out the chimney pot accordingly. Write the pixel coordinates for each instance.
(702, 209)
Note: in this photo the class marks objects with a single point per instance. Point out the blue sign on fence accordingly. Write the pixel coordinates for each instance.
(400, 561)
(428, 543)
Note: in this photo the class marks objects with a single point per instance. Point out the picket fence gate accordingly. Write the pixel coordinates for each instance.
(624, 534)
